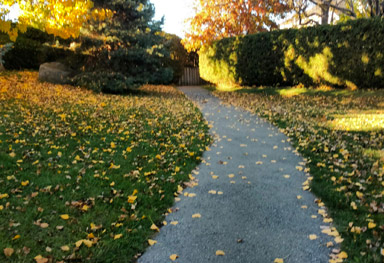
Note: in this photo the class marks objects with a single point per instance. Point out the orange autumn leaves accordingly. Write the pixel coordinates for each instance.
(80, 171)
(216, 19)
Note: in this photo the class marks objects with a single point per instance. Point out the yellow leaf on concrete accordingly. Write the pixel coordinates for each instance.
(278, 260)
(220, 253)
(174, 223)
(312, 237)
(151, 242)
(196, 216)
(173, 257)
(338, 239)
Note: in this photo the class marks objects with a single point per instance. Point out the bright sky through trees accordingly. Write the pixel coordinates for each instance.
(174, 12)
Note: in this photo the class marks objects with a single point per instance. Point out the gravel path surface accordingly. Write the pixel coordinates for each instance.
(258, 215)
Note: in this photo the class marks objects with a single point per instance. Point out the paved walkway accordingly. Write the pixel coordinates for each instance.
(258, 215)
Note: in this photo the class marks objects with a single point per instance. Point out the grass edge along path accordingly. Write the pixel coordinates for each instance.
(88, 177)
(345, 156)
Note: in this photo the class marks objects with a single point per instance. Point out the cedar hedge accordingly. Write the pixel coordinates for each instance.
(350, 55)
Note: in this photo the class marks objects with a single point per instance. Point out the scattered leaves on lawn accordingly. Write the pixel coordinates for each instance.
(91, 166)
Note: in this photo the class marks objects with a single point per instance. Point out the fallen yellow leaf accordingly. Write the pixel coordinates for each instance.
(65, 216)
(278, 260)
(196, 216)
(117, 236)
(151, 242)
(312, 237)
(220, 253)
(174, 223)
(8, 251)
(87, 242)
(342, 254)
(132, 199)
(338, 239)
(40, 259)
(371, 225)
(65, 248)
(154, 227)
(173, 257)
(78, 243)
(44, 225)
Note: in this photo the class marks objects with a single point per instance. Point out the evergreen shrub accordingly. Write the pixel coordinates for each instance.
(350, 55)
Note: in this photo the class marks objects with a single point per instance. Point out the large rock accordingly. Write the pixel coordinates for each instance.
(54, 72)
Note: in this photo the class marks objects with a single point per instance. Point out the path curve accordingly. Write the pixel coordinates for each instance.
(258, 217)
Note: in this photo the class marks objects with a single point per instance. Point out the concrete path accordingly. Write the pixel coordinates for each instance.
(258, 215)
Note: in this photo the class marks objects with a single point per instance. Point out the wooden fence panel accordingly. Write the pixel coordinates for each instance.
(191, 77)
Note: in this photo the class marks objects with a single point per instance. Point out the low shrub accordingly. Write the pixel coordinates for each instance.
(108, 82)
(346, 55)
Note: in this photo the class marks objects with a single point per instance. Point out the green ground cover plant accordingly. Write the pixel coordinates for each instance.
(87, 177)
(340, 133)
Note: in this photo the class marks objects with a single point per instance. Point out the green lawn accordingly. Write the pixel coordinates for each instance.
(86, 176)
(341, 135)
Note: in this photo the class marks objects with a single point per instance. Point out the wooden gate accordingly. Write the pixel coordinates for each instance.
(191, 77)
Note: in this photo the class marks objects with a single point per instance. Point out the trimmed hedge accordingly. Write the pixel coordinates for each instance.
(345, 55)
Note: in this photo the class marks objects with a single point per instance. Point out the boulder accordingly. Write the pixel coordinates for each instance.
(54, 72)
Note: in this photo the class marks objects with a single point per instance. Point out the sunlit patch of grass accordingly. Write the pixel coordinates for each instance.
(110, 164)
(358, 122)
(374, 153)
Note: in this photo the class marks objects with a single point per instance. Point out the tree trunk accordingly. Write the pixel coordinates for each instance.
(324, 13)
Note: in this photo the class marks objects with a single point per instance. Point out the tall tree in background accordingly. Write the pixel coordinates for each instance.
(347, 9)
(128, 49)
(216, 19)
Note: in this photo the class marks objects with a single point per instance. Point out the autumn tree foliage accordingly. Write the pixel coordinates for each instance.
(216, 19)
(63, 18)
